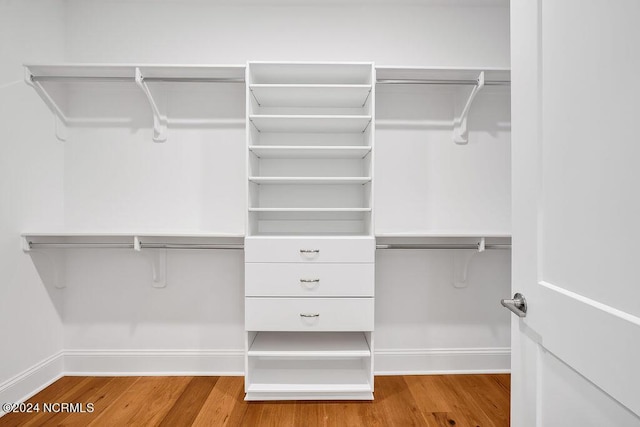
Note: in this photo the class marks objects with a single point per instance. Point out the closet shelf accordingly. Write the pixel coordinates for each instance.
(308, 376)
(310, 72)
(310, 123)
(441, 75)
(309, 152)
(309, 209)
(310, 95)
(447, 234)
(309, 180)
(131, 240)
(319, 344)
(38, 76)
(173, 234)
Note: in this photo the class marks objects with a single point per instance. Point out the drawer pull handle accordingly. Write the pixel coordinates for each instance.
(309, 251)
(309, 280)
(309, 314)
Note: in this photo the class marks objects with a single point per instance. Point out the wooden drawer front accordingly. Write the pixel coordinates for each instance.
(301, 279)
(322, 314)
(312, 250)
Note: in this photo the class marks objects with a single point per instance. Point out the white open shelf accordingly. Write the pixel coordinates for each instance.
(127, 71)
(310, 72)
(309, 152)
(446, 234)
(443, 74)
(309, 209)
(287, 375)
(310, 123)
(316, 344)
(130, 240)
(309, 180)
(317, 95)
(131, 233)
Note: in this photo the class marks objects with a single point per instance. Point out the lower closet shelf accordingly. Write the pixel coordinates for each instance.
(310, 376)
(304, 344)
(309, 366)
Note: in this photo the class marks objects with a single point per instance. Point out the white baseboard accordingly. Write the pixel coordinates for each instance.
(442, 361)
(32, 380)
(153, 362)
(231, 362)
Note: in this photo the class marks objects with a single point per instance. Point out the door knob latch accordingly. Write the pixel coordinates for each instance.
(517, 305)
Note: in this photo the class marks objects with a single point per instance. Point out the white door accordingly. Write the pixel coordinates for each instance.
(576, 212)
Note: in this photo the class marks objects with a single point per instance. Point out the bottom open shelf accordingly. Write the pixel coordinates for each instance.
(340, 377)
(309, 366)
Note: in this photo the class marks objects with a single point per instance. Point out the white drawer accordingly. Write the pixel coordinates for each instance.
(309, 279)
(310, 249)
(309, 314)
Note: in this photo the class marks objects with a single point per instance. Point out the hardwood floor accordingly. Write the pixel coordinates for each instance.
(438, 400)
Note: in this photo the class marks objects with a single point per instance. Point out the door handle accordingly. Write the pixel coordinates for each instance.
(517, 305)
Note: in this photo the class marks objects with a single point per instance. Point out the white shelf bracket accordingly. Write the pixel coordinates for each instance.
(136, 244)
(461, 261)
(26, 245)
(159, 120)
(159, 268)
(460, 131)
(60, 119)
(482, 244)
(158, 258)
(49, 264)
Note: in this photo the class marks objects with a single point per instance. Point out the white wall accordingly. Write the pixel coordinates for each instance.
(116, 178)
(388, 32)
(31, 196)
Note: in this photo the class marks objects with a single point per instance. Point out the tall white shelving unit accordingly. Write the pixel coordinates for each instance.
(309, 250)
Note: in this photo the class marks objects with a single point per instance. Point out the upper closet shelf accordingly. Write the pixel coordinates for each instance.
(38, 76)
(331, 73)
(310, 95)
(310, 123)
(441, 75)
(309, 152)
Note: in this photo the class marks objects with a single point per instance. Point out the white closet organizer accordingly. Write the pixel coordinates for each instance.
(309, 250)
(309, 241)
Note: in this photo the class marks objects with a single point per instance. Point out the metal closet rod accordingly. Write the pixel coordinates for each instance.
(92, 245)
(132, 79)
(440, 82)
(442, 246)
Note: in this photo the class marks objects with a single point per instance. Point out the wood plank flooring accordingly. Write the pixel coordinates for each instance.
(434, 400)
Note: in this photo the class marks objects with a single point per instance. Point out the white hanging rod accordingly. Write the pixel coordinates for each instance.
(469, 82)
(476, 246)
(89, 245)
(132, 79)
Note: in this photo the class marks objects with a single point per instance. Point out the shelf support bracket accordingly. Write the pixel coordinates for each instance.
(482, 244)
(461, 263)
(60, 119)
(460, 131)
(159, 120)
(49, 265)
(158, 258)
